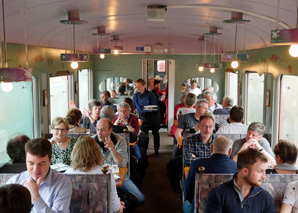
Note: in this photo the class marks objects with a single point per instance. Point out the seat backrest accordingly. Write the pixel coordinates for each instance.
(90, 193)
(232, 137)
(219, 118)
(275, 184)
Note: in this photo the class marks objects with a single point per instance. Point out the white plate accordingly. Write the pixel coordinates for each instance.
(150, 106)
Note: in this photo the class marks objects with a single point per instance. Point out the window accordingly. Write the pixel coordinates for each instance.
(232, 86)
(16, 114)
(288, 108)
(59, 96)
(254, 107)
(161, 66)
(84, 89)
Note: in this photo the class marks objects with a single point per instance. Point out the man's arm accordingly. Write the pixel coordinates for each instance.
(178, 133)
(213, 203)
(119, 152)
(267, 150)
(236, 148)
(61, 201)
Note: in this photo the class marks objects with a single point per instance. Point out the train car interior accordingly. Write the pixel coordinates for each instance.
(56, 52)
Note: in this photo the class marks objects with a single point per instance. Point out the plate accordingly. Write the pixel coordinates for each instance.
(150, 106)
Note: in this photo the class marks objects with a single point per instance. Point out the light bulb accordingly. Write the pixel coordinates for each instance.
(234, 64)
(294, 51)
(212, 70)
(201, 68)
(116, 52)
(74, 65)
(102, 56)
(6, 86)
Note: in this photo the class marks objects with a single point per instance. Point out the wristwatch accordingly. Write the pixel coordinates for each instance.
(127, 124)
(260, 150)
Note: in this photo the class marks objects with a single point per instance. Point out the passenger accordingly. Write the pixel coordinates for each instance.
(243, 193)
(104, 98)
(150, 118)
(290, 199)
(285, 156)
(227, 105)
(254, 139)
(113, 148)
(86, 158)
(189, 103)
(218, 163)
(183, 88)
(73, 117)
(91, 116)
(161, 102)
(191, 120)
(50, 191)
(15, 198)
(211, 99)
(15, 149)
(122, 89)
(175, 124)
(235, 125)
(194, 88)
(199, 145)
(62, 146)
(205, 91)
(113, 93)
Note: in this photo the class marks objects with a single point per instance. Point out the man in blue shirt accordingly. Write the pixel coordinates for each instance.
(150, 116)
(50, 191)
(218, 163)
(243, 193)
(104, 98)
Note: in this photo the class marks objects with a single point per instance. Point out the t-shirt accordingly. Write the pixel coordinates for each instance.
(187, 121)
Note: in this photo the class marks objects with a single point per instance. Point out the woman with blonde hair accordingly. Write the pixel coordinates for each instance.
(86, 158)
(61, 145)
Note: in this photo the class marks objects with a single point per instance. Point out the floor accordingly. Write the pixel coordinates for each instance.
(160, 197)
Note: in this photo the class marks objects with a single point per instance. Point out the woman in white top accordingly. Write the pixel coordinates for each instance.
(86, 158)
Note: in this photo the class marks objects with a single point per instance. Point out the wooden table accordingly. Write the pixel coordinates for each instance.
(122, 173)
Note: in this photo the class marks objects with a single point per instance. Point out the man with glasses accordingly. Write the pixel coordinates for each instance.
(199, 145)
(50, 191)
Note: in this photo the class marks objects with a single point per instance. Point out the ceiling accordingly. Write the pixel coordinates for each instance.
(185, 21)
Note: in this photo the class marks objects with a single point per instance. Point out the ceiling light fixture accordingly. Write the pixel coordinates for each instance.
(73, 19)
(117, 44)
(101, 31)
(201, 66)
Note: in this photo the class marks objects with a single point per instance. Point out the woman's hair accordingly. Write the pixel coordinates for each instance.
(86, 154)
(257, 127)
(286, 150)
(130, 102)
(73, 115)
(92, 103)
(124, 105)
(56, 121)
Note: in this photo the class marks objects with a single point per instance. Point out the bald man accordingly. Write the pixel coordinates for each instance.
(218, 163)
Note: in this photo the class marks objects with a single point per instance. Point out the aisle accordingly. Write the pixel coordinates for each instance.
(159, 194)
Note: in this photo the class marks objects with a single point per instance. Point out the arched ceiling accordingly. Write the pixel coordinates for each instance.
(184, 22)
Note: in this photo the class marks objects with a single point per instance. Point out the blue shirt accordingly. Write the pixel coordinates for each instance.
(143, 99)
(111, 105)
(55, 192)
(216, 164)
(195, 148)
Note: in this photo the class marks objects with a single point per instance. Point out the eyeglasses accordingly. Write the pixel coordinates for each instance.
(58, 130)
(209, 127)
